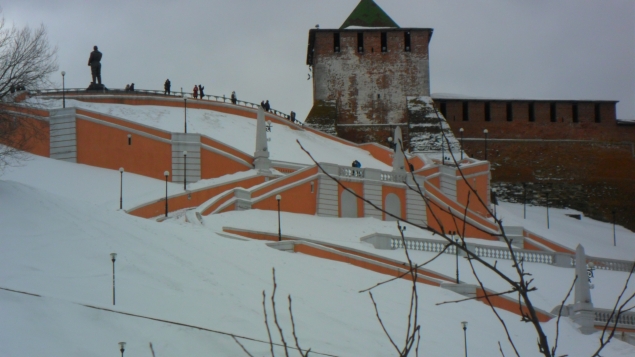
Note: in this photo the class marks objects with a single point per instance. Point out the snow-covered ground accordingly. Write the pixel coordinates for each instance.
(57, 235)
(59, 222)
(234, 130)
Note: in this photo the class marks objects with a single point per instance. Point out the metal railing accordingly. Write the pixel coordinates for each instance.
(207, 97)
(529, 256)
(486, 251)
(627, 319)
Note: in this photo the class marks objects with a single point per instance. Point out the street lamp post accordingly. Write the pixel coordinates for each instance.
(456, 240)
(122, 347)
(442, 150)
(461, 131)
(167, 173)
(113, 257)
(185, 113)
(486, 134)
(63, 90)
(524, 200)
(121, 188)
(184, 170)
(614, 236)
(278, 198)
(547, 209)
(464, 323)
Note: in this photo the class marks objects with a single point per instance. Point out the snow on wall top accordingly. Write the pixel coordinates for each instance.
(233, 130)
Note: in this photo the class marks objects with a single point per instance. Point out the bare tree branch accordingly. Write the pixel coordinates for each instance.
(275, 313)
(555, 343)
(264, 309)
(295, 337)
(476, 297)
(381, 322)
(239, 344)
(26, 60)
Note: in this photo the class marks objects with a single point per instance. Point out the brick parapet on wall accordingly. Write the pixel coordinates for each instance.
(532, 119)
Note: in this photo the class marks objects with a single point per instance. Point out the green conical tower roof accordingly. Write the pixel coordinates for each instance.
(368, 14)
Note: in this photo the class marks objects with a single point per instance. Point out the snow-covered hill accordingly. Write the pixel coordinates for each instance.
(59, 222)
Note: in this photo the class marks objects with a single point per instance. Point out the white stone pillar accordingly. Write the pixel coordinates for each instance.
(261, 155)
(398, 159)
(582, 310)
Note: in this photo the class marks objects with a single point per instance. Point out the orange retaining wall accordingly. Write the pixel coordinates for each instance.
(226, 148)
(107, 147)
(197, 198)
(547, 243)
(274, 238)
(325, 254)
(380, 153)
(479, 184)
(128, 124)
(455, 223)
(31, 135)
(298, 199)
(501, 302)
(221, 200)
(217, 165)
(286, 180)
(509, 305)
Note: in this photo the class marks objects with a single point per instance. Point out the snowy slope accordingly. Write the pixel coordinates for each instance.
(58, 247)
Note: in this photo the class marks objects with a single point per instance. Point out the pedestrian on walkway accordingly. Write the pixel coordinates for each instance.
(166, 86)
(234, 99)
(195, 92)
(200, 91)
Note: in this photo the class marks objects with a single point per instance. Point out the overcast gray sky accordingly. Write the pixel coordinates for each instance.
(553, 49)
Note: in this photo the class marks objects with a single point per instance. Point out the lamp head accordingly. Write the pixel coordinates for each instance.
(122, 346)
(184, 152)
(485, 131)
(113, 256)
(464, 323)
(166, 174)
(461, 130)
(63, 73)
(121, 169)
(278, 197)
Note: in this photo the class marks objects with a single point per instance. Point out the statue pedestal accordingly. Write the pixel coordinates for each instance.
(585, 319)
(96, 87)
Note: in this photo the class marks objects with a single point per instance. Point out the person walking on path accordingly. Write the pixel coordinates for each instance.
(234, 99)
(268, 106)
(166, 86)
(200, 91)
(195, 92)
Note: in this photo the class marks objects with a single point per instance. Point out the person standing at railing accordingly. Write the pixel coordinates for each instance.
(195, 92)
(234, 99)
(200, 91)
(268, 106)
(132, 87)
(166, 86)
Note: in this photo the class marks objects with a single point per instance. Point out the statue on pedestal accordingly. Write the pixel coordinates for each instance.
(94, 61)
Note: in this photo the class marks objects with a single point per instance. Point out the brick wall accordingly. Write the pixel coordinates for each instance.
(595, 178)
(520, 119)
(369, 86)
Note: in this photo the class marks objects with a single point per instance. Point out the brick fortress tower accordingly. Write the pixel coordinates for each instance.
(364, 72)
